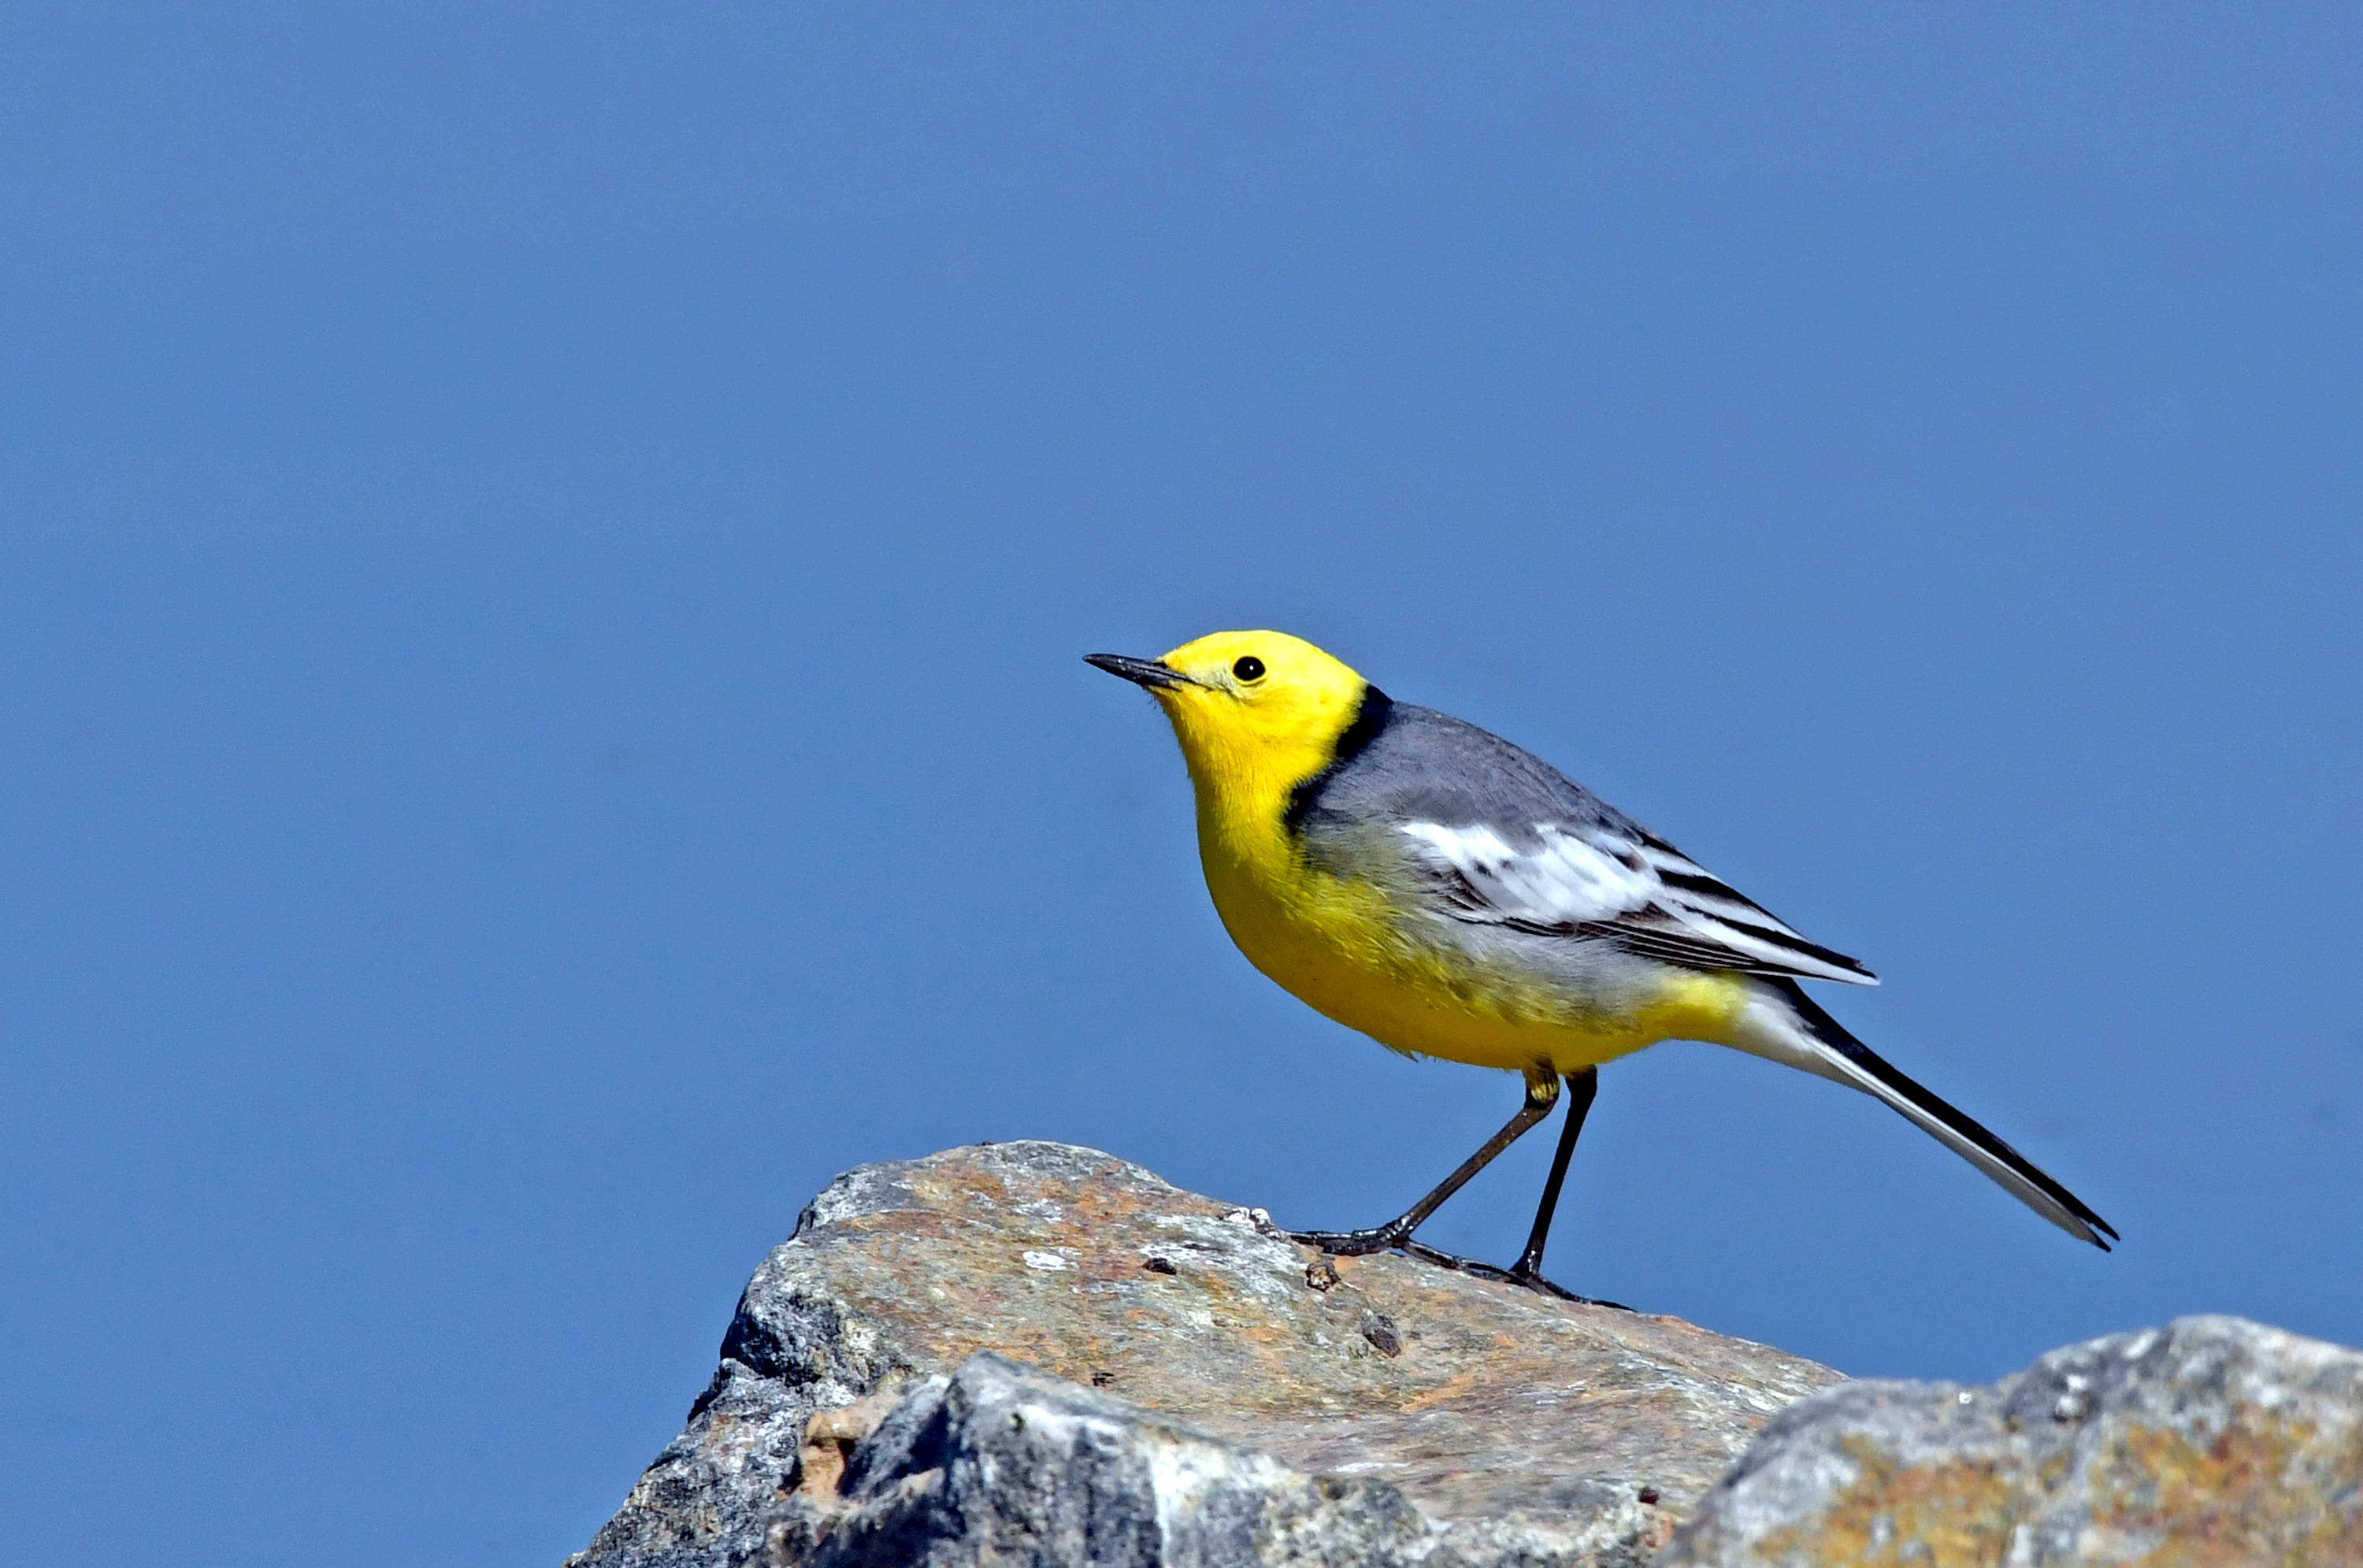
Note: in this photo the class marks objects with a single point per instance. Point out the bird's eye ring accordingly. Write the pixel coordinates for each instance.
(1248, 668)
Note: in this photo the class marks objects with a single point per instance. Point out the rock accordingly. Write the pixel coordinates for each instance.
(1202, 1391)
(1206, 1393)
(2211, 1441)
(1001, 1465)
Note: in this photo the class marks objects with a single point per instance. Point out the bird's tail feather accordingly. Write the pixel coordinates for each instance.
(1814, 1041)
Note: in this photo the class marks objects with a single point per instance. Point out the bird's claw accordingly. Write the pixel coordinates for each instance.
(1528, 1278)
(1383, 1239)
(1352, 1244)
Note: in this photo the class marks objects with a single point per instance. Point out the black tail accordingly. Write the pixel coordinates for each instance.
(1858, 1064)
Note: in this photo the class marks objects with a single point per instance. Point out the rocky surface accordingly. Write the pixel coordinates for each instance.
(1029, 1353)
(1035, 1355)
(2210, 1441)
(1002, 1464)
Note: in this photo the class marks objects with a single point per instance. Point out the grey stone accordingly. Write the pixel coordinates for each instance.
(1002, 1465)
(2213, 1441)
(1210, 1392)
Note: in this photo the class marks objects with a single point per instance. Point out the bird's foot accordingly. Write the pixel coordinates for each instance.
(1353, 1243)
(1394, 1238)
(1529, 1277)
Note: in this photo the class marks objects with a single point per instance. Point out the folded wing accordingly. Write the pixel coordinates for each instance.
(1609, 880)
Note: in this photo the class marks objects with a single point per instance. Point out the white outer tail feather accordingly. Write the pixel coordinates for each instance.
(1772, 1028)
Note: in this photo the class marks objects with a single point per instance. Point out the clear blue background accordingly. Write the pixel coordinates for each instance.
(543, 553)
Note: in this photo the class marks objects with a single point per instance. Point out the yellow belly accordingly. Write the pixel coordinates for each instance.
(1334, 944)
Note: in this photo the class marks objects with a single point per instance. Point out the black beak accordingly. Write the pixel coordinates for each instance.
(1151, 673)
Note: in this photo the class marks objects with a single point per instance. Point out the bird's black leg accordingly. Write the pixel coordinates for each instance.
(1528, 1270)
(1542, 1093)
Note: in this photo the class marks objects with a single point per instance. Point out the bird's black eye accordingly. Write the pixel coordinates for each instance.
(1248, 668)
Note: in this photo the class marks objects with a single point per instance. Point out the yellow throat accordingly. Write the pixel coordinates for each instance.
(1249, 743)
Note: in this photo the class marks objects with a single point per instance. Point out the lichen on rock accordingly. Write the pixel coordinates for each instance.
(2213, 1441)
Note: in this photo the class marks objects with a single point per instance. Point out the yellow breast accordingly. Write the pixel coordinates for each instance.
(1337, 945)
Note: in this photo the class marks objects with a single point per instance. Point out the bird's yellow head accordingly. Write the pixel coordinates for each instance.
(1256, 713)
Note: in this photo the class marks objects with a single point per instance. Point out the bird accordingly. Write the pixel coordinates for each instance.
(1453, 896)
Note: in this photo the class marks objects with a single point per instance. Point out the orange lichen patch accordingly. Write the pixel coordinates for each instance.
(831, 1436)
(1658, 1530)
(1450, 1388)
(2262, 1492)
(1956, 1514)
(2267, 1492)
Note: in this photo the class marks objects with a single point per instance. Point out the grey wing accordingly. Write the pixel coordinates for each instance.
(1497, 836)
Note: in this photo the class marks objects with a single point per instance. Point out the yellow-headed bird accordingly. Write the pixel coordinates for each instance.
(1449, 895)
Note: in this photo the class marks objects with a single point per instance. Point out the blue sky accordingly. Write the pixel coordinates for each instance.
(545, 551)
